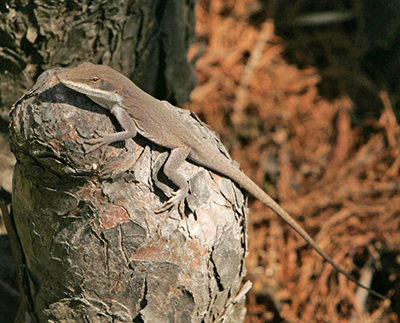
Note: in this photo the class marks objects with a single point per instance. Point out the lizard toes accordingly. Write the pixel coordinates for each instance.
(95, 141)
(165, 207)
(176, 201)
(95, 144)
(181, 208)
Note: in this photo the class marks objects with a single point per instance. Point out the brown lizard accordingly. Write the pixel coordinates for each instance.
(139, 112)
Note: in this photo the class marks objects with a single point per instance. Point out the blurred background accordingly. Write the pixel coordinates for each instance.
(305, 96)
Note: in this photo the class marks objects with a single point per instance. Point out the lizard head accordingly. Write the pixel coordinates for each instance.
(98, 82)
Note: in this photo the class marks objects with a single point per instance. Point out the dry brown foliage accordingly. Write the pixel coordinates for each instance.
(341, 186)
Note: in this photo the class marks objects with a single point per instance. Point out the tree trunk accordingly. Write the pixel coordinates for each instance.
(145, 40)
(95, 250)
(91, 248)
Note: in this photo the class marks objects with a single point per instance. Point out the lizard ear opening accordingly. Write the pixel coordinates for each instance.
(106, 86)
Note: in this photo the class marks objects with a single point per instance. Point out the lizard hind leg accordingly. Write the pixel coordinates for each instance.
(171, 168)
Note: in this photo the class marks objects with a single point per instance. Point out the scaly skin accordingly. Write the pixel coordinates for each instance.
(138, 112)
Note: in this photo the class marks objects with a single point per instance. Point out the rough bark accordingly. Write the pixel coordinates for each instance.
(145, 40)
(94, 248)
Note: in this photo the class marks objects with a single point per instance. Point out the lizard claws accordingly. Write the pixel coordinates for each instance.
(176, 201)
(95, 143)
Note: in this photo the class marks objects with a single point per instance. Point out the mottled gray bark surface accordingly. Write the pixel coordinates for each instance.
(94, 248)
(147, 40)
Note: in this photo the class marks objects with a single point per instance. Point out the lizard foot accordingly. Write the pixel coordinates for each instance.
(177, 200)
(95, 143)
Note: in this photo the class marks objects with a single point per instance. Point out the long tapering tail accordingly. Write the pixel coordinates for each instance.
(245, 182)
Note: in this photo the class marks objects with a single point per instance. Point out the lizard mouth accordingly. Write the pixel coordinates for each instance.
(104, 98)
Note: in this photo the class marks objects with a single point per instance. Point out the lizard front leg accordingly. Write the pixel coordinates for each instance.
(126, 122)
(175, 159)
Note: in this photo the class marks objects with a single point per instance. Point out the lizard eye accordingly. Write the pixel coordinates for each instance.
(96, 82)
